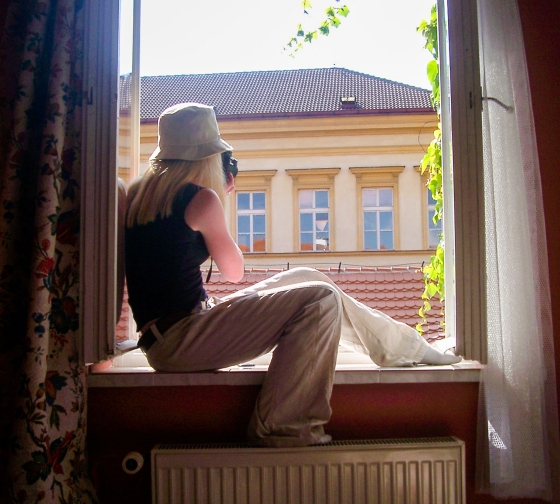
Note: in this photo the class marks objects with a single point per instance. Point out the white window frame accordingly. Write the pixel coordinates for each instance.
(461, 114)
(254, 181)
(377, 210)
(314, 179)
(374, 178)
(314, 211)
(251, 213)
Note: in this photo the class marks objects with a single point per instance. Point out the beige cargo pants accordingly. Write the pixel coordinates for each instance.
(302, 315)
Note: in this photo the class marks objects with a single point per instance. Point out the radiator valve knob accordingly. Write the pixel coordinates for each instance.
(132, 463)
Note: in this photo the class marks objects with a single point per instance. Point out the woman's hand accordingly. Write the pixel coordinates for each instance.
(205, 213)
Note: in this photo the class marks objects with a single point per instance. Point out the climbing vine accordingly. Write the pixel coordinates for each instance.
(434, 278)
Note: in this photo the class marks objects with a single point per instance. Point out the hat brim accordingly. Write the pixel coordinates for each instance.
(191, 153)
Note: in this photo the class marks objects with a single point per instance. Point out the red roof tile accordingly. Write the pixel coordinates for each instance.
(393, 291)
(277, 92)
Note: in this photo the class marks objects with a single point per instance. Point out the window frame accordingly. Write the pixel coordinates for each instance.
(376, 178)
(253, 181)
(425, 209)
(461, 115)
(314, 179)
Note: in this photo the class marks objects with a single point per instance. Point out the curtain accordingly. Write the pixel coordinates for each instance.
(518, 447)
(42, 387)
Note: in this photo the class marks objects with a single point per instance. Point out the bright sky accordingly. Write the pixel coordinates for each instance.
(206, 36)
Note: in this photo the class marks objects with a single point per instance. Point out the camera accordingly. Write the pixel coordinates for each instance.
(229, 164)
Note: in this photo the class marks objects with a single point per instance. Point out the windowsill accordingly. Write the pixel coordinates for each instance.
(346, 374)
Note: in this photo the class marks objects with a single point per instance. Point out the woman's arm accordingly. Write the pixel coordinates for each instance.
(205, 213)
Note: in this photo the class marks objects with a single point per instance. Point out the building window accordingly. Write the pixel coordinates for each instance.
(377, 207)
(434, 230)
(248, 212)
(314, 209)
(251, 221)
(314, 228)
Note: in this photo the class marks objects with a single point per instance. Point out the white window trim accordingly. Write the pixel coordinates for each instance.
(254, 181)
(99, 194)
(314, 179)
(375, 178)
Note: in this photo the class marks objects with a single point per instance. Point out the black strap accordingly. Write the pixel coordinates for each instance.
(209, 271)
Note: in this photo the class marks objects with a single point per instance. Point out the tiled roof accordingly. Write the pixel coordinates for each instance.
(277, 92)
(394, 291)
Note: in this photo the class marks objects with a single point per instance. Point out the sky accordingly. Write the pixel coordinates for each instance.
(208, 36)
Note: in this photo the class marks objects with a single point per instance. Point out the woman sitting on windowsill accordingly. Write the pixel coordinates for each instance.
(175, 221)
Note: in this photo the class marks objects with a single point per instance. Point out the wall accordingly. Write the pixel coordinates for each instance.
(121, 420)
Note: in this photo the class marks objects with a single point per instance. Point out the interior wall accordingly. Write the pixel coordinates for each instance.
(126, 419)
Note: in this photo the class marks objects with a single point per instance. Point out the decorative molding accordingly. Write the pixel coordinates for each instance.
(377, 174)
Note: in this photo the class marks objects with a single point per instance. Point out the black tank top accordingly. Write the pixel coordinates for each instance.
(163, 261)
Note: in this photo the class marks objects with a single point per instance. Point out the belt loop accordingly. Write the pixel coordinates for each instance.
(156, 332)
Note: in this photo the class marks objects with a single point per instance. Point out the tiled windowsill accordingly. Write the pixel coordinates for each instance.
(465, 371)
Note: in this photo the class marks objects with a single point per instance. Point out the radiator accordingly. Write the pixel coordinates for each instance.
(401, 471)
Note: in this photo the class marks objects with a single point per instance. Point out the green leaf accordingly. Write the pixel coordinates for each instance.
(343, 11)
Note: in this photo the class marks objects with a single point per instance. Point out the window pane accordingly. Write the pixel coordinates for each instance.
(322, 242)
(259, 243)
(431, 201)
(370, 221)
(370, 240)
(386, 220)
(321, 199)
(306, 199)
(244, 242)
(386, 240)
(243, 224)
(433, 238)
(259, 201)
(322, 221)
(431, 224)
(258, 224)
(243, 201)
(386, 197)
(306, 241)
(369, 197)
(306, 222)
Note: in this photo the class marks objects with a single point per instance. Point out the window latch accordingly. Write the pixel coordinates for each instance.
(508, 108)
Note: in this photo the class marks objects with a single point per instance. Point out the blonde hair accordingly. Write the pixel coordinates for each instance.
(152, 195)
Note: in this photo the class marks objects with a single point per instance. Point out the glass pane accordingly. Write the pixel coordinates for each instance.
(386, 197)
(306, 241)
(322, 241)
(259, 201)
(369, 197)
(258, 224)
(243, 224)
(243, 201)
(370, 221)
(244, 242)
(431, 224)
(321, 199)
(322, 221)
(433, 238)
(370, 240)
(306, 199)
(306, 222)
(259, 244)
(431, 201)
(386, 240)
(386, 220)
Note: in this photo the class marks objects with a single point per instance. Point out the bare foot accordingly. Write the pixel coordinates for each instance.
(436, 358)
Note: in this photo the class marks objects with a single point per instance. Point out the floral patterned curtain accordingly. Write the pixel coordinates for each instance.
(42, 386)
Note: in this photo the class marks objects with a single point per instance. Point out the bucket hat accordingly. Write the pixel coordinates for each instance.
(188, 131)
